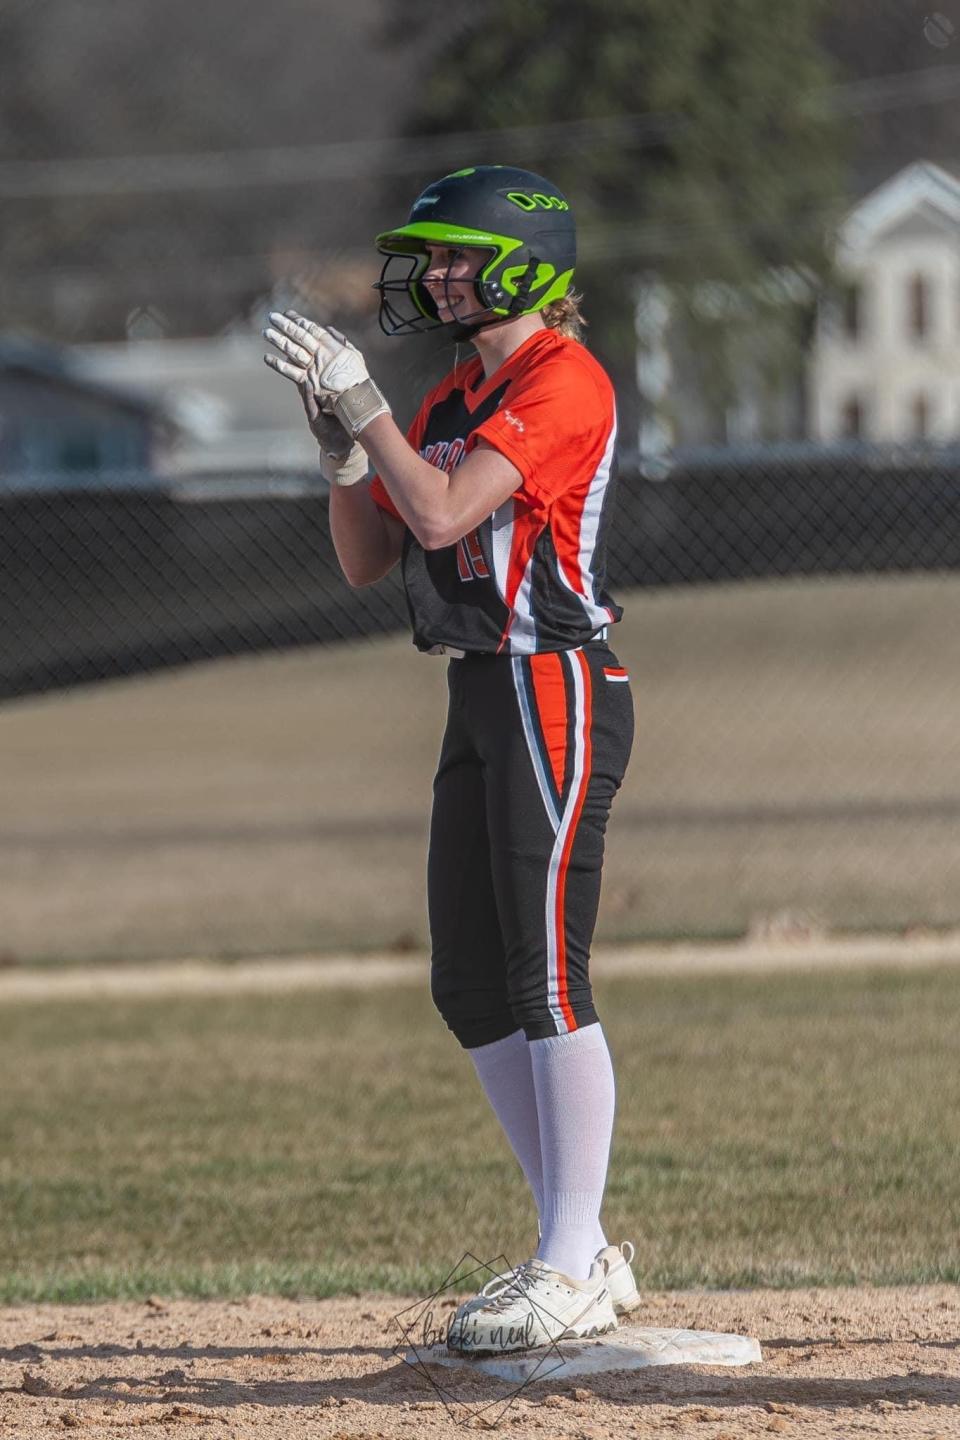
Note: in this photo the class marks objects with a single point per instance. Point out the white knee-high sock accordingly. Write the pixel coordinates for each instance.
(507, 1078)
(573, 1080)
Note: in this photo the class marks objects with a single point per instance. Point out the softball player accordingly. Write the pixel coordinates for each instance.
(497, 504)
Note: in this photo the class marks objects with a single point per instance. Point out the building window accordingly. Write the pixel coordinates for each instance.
(851, 418)
(69, 444)
(919, 307)
(920, 416)
(853, 311)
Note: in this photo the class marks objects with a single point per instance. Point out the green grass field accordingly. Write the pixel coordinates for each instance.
(781, 1130)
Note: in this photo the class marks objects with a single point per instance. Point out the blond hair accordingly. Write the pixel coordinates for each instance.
(564, 315)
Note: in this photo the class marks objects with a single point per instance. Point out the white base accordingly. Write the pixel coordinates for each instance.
(634, 1348)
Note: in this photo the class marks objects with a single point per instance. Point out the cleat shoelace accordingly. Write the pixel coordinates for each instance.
(523, 1280)
(498, 1283)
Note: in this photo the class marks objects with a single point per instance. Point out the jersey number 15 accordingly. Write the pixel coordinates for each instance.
(470, 562)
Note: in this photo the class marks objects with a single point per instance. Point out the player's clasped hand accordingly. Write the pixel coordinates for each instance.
(320, 360)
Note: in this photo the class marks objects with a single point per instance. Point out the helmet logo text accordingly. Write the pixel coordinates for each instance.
(537, 201)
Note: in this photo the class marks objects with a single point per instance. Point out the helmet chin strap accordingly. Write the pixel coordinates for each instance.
(462, 330)
(516, 306)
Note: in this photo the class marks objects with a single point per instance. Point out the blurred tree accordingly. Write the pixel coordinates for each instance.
(141, 80)
(739, 176)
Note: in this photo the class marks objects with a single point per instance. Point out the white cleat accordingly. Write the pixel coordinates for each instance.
(620, 1281)
(494, 1286)
(537, 1306)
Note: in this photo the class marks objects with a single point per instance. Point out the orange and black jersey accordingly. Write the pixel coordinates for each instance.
(530, 577)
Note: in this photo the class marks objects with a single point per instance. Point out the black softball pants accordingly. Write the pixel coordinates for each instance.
(534, 751)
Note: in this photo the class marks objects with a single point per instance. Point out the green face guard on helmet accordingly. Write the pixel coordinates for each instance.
(521, 221)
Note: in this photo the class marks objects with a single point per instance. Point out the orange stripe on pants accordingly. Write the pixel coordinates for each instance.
(550, 692)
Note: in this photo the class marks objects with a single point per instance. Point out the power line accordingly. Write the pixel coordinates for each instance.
(896, 92)
(637, 241)
(299, 164)
(350, 159)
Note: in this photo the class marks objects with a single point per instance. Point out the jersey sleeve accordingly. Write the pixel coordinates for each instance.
(414, 435)
(379, 492)
(553, 423)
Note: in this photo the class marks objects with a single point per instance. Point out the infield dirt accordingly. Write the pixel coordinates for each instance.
(835, 1363)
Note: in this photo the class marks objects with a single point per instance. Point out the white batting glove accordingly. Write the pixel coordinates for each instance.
(342, 460)
(324, 361)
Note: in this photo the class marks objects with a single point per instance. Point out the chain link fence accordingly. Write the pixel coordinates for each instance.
(789, 631)
(130, 573)
(121, 578)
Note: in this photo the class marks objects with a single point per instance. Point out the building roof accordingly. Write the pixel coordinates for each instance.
(921, 186)
(231, 412)
(59, 366)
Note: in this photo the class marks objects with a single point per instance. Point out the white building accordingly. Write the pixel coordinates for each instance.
(229, 416)
(886, 361)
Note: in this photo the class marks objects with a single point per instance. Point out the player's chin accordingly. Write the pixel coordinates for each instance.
(463, 314)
